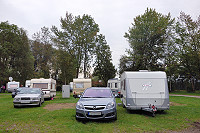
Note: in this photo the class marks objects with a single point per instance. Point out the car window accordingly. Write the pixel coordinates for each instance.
(29, 91)
(99, 93)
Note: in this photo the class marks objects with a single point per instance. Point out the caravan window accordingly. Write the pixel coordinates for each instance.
(115, 85)
(108, 84)
(13, 86)
(79, 85)
(40, 85)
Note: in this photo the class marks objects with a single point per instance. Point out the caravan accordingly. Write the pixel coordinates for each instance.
(145, 90)
(48, 86)
(114, 85)
(12, 86)
(79, 85)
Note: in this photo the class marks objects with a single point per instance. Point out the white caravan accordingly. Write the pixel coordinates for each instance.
(28, 83)
(11, 86)
(145, 90)
(114, 85)
(48, 86)
(79, 85)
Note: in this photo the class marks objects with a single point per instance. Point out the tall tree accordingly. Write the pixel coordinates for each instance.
(15, 56)
(104, 68)
(66, 66)
(43, 52)
(77, 37)
(188, 42)
(147, 39)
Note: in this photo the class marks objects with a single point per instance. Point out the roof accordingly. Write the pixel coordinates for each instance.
(145, 74)
(82, 80)
(98, 88)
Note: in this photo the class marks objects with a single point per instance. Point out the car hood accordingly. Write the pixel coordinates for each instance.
(26, 95)
(96, 101)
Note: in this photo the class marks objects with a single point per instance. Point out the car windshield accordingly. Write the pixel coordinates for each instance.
(29, 91)
(19, 89)
(97, 93)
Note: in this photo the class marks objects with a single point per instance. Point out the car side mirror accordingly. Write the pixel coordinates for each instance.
(42, 93)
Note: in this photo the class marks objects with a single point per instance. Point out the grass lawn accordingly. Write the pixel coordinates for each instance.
(183, 92)
(181, 115)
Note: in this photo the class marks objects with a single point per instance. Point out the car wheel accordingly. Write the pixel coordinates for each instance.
(78, 119)
(115, 118)
(39, 103)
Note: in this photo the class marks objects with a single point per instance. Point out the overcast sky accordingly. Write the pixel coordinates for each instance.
(114, 17)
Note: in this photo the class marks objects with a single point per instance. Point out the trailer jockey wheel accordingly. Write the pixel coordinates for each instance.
(153, 114)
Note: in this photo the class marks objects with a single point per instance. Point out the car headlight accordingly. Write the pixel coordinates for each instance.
(16, 99)
(35, 98)
(79, 105)
(110, 105)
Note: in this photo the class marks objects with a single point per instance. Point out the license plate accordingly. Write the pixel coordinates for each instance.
(25, 101)
(94, 113)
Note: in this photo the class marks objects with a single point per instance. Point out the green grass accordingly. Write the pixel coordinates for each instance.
(183, 92)
(38, 119)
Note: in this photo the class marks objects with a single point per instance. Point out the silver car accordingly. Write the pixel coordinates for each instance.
(31, 96)
(96, 103)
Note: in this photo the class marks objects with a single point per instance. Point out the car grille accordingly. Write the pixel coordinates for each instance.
(94, 107)
(95, 116)
(25, 98)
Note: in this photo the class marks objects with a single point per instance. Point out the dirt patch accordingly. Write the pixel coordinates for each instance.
(195, 128)
(58, 106)
(176, 104)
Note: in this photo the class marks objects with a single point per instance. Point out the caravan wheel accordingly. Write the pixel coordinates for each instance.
(124, 106)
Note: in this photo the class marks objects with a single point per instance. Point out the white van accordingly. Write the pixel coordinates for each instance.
(11, 86)
(79, 85)
(145, 90)
(48, 86)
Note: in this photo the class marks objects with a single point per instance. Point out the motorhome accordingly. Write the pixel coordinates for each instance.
(48, 86)
(114, 85)
(11, 86)
(79, 85)
(145, 90)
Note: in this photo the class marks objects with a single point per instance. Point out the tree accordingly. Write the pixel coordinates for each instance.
(43, 53)
(104, 68)
(77, 37)
(66, 66)
(188, 43)
(147, 39)
(16, 59)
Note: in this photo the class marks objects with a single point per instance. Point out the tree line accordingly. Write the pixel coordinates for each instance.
(58, 53)
(160, 42)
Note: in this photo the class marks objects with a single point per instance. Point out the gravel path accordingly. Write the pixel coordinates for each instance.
(184, 95)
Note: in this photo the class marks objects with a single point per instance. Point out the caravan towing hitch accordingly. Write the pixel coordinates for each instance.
(151, 108)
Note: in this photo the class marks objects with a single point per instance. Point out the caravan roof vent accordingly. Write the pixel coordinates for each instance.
(143, 70)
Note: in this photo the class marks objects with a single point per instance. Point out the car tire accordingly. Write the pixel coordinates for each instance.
(39, 105)
(115, 118)
(78, 119)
